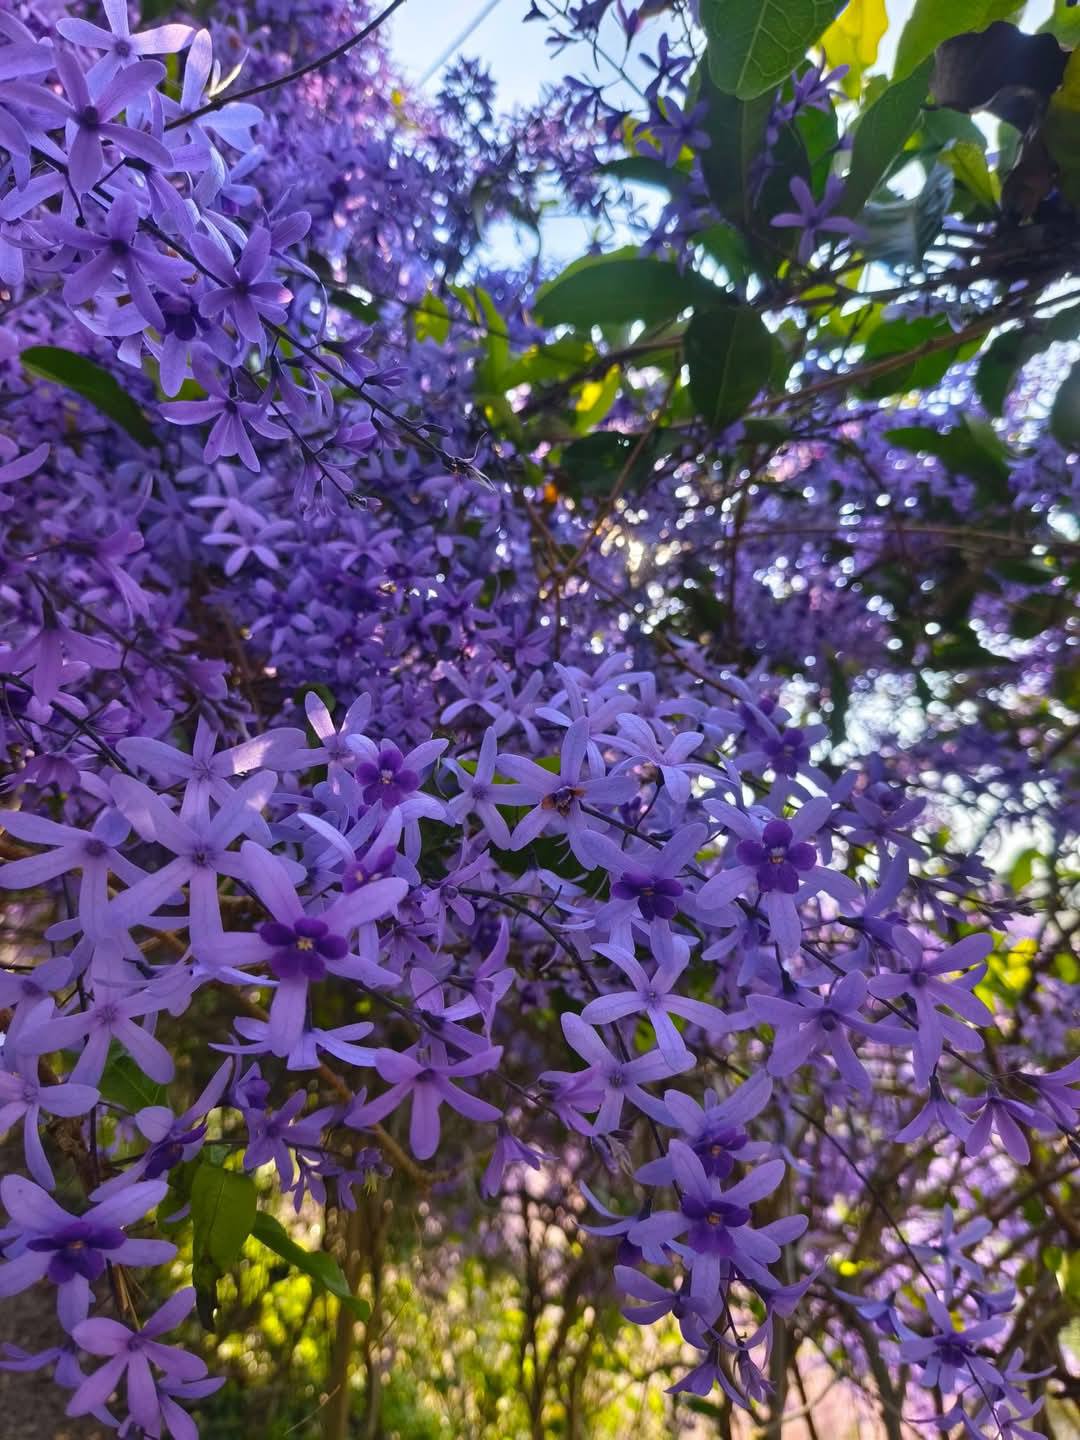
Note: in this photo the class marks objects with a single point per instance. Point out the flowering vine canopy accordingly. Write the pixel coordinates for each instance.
(559, 775)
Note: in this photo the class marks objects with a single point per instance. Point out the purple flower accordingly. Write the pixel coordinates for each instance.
(716, 1223)
(479, 794)
(274, 1135)
(207, 770)
(716, 1132)
(389, 779)
(921, 986)
(245, 292)
(89, 117)
(14, 466)
(949, 1356)
(232, 417)
(609, 1082)
(117, 247)
(121, 47)
(131, 1354)
(694, 1315)
(814, 218)
(654, 997)
(558, 798)
(429, 1083)
(994, 1111)
(201, 854)
(45, 1242)
(94, 854)
(776, 862)
(23, 1097)
(300, 949)
(106, 1018)
(815, 1024)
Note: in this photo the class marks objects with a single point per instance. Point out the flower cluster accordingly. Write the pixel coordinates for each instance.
(472, 826)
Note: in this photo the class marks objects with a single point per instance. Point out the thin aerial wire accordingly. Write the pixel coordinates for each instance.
(455, 45)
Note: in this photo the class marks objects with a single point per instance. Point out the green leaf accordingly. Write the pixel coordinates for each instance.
(968, 164)
(736, 130)
(729, 249)
(617, 289)
(316, 1264)
(88, 379)
(1065, 415)
(595, 399)
(222, 1214)
(592, 464)
(755, 44)
(124, 1084)
(853, 39)
(900, 233)
(880, 136)
(431, 320)
(933, 21)
(901, 337)
(730, 354)
(364, 310)
(644, 170)
(970, 448)
(998, 366)
(1061, 130)
(1064, 23)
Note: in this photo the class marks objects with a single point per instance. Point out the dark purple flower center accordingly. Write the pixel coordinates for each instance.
(122, 48)
(88, 117)
(655, 894)
(787, 751)
(712, 1220)
(387, 780)
(300, 951)
(78, 1249)
(775, 859)
(716, 1151)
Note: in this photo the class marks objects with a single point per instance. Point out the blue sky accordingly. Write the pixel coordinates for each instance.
(423, 29)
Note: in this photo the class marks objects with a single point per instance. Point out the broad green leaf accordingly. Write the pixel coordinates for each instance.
(730, 354)
(88, 379)
(968, 164)
(644, 170)
(933, 21)
(728, 248)
(365, 310)
(1001, 360)
(124, 1083)
(907, 338)
(853, 39)
(595, 399)
(431, 319)
(222, 1213)
(1012, 349)
(755, 44)
(1061, 130)
(1064, 23)
(901, 232)
(736, 130)
(618, 289)
(1065, 416)
(880, 136)
(317, 1264)
(592, 465)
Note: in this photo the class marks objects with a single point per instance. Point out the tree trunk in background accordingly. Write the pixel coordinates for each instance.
(338, 1406)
